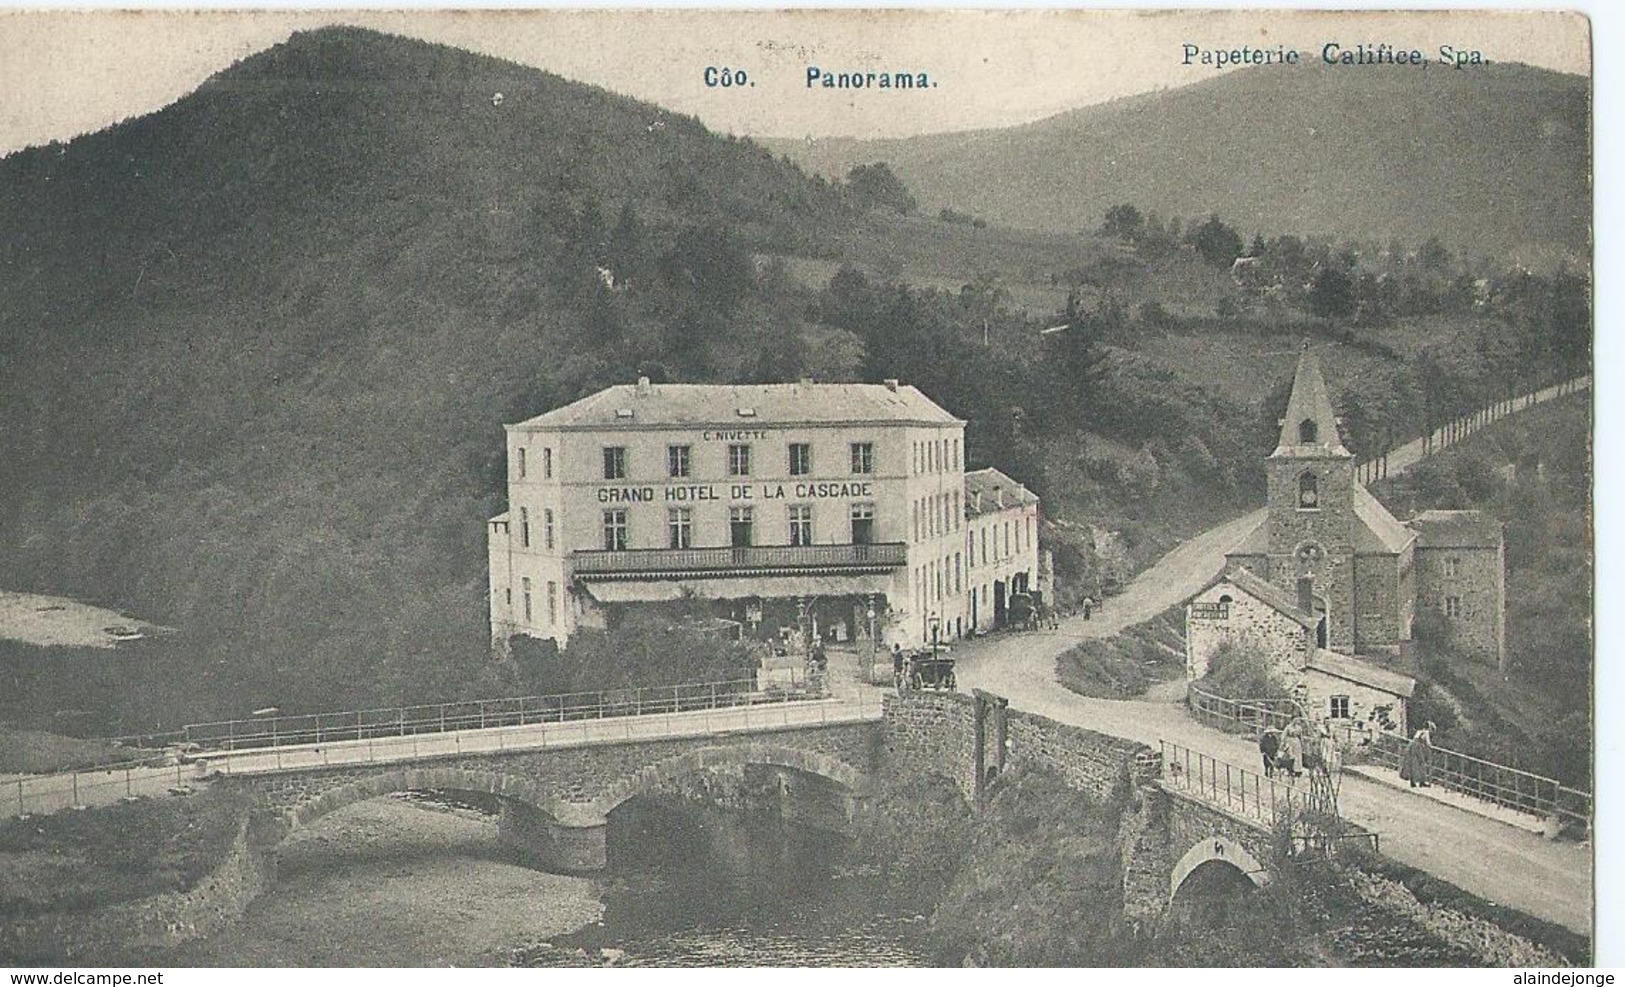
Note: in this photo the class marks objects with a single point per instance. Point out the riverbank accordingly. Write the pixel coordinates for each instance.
(391, 883)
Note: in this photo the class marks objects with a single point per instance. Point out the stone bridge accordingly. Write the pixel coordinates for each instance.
(556, 801)
(1171, 838)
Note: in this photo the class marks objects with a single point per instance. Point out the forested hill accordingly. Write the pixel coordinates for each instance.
(1496, 158)
(256, 348)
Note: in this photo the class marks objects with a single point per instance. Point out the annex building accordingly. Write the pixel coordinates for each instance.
(787, 505)
(1329, 574)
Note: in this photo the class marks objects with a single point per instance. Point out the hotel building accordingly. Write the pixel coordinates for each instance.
(808, 506)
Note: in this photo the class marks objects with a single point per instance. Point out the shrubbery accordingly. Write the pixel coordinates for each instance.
(1240, 669)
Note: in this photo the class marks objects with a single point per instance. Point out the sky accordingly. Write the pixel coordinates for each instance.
(67, 73)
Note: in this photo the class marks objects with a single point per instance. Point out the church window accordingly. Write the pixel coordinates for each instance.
(1308, 492)
(1452, 565)
(1226, 598)
(1452, 606)
(1308, 432)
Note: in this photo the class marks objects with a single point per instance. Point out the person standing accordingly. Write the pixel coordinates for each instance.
(1291, 750)
(1417, 763)
(1269, 746)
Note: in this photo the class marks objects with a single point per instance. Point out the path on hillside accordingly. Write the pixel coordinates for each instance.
(1496, 861)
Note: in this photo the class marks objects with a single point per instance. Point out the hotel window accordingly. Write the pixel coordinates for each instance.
(526, 582)
(677, 460)
(800, 458)
(547, 463)
(547, 526)
(863, 457)
(863, 524)
(1007, 549)
(984, 546)
(739, 460)
(615, 462)
(680, 527)
(1452, 606)
(1339, 708)
(615, 539)
(521, 462)
(507, 592)
(959, 513)
(1451, 565)
(740, 527)
(956, 454)
(914, 511)
(801, 532)
(552, 604)
(958, 586)
(524, 527)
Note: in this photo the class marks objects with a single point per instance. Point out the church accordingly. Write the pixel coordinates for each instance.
(1329, 574)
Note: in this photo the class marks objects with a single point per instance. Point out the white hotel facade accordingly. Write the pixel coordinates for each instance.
(787, 505)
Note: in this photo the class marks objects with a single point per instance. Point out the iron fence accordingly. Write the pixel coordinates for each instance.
(481, 714)
(1228, 786)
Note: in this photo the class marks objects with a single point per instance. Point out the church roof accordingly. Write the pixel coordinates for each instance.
(1456, 529)
(1360, 672)
(1256, 541)
(1310, 403)
(982, 489)
(1379, 532)
(644, 405)
(1263, 591)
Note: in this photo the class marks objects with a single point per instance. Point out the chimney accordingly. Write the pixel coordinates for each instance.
(643, 386)
(978, 501)
(806, 382)
(891, 384)
(998, 496)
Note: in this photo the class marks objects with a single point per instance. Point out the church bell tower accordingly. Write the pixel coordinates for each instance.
(1311, 509)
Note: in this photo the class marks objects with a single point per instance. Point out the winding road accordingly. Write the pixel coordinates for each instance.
(1497, 861)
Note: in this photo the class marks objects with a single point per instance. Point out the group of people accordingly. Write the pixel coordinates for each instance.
(1300, 748)
(1296, 749)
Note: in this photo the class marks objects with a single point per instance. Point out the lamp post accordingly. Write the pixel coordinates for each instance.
(869, 612)
(935, 623)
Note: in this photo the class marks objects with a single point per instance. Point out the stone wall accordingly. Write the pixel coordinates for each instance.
(1284, 641)
(108, 935)
(1382, 617)
(1089, 761)
(932, 733)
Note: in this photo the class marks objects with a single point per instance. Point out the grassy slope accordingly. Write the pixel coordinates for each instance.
(1525, 193)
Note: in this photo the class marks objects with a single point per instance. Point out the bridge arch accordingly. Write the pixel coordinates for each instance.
(654, 776)
(373, 786)
(1221, 850)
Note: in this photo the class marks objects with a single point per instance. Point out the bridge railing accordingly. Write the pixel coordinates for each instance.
(1228, 786)
(319, 728)
(1498, 784)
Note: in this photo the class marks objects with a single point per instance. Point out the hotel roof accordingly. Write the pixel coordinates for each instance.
(982, 489)
(646, 405)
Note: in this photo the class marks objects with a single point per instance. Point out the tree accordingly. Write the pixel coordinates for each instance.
(875, 186)
(1331, 296)
(1218, 244)
(1124, 223)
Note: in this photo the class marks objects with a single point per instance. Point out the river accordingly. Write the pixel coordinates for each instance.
(391, 883)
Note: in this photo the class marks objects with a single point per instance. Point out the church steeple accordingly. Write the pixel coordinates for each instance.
(1310, 425)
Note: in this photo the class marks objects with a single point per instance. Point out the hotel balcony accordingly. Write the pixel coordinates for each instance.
(752, 560)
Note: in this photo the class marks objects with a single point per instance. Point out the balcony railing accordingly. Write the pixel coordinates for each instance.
(750, 559)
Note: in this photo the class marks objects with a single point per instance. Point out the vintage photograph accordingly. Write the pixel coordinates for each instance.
(806, 488)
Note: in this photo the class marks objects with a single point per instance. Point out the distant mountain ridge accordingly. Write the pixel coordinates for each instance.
(1494, 159)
